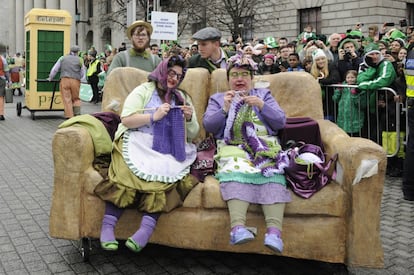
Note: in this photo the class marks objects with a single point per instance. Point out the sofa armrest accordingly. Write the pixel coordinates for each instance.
(365, 195)
(73, 154)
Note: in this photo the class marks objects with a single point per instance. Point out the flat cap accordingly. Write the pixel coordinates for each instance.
(208, 33)
(75, 49)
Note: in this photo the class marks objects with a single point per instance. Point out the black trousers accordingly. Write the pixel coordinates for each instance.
(93, 81)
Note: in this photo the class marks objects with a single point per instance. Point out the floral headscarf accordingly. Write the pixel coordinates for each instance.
(240, 60)
(160, 75)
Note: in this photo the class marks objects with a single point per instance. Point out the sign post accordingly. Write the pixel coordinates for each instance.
(165, 25)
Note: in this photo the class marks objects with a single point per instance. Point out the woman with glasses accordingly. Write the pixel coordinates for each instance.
(245, 121)
(151, 156)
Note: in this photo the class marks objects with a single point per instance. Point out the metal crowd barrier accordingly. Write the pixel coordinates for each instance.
(376, 118)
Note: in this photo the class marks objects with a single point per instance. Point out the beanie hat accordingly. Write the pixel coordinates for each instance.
(318, 53)
(370, 48)
(400, 41)
(269, 55)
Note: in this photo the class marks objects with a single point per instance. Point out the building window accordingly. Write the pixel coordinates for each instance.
(247, 30)
(90, 8)
(310, 17)
(197, 26)
(108, 6)
(410, 14)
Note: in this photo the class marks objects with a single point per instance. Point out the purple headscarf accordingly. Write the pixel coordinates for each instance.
(160, 75)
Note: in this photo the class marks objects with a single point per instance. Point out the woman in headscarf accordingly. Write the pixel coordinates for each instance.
(151, 154)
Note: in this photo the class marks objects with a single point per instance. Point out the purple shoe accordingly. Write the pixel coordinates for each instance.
(273, 242)
(241, 235)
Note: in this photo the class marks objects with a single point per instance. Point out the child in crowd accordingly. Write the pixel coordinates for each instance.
(267, 66)
(303, 37)
(307, 64)
(294, 63)
(351, 106)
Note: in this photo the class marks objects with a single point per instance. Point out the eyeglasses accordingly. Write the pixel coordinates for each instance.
(243, 74)
(173, 74)
(140, 35)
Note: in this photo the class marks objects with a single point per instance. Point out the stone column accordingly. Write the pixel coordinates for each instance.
(19, 23)
(70, 7)
(53, 4)
(39, 4)
(12, 33)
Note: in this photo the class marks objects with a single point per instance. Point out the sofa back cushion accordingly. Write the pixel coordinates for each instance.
(121, 81)
(298, 93)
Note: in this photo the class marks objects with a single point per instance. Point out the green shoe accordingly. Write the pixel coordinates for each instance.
(133, 246)
(110, 246)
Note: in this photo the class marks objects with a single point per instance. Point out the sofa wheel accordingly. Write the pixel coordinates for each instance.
(19, 108)
(85, 248)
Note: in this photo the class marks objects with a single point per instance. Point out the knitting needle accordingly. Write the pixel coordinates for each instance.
(155, 108)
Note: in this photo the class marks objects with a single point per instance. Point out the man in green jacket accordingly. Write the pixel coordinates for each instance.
(375, 73)
(210, 55)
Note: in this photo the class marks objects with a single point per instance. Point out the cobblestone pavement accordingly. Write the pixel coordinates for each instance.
(26, 183)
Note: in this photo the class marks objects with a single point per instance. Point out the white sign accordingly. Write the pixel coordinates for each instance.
(165, 25)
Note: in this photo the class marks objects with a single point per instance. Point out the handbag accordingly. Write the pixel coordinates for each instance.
(204, 164)
(304, 129)
(308, 172)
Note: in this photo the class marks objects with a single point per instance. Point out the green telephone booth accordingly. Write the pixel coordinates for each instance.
(47, 39)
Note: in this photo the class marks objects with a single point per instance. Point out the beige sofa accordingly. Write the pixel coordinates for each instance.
(339, 224)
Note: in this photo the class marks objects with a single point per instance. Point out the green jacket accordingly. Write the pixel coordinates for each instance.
(351, 109)
(197, 61)
(371, 79)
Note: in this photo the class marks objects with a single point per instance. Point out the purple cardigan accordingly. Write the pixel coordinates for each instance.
(272, 115)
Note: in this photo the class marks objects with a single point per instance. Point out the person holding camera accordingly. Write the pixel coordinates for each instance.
(311, 46)
(348, 57)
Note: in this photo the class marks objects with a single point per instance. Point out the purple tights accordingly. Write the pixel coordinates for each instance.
(112, 214)
(143, 234)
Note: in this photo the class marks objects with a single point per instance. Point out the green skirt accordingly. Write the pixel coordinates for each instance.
(124, 189)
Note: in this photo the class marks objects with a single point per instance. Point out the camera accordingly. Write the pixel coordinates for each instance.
(403, 23)
(348, 55)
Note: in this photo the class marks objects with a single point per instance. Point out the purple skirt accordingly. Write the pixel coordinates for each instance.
(268, 193)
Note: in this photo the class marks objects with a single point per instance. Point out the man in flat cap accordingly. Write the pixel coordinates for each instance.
(210, 55)
(138, 56)
(72, 71)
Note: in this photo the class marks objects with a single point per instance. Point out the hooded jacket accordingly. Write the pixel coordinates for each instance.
(375, 76)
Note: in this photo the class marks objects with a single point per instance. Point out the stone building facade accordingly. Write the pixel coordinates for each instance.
(102, 22)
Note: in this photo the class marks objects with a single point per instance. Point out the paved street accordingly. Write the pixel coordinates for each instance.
(26, 183)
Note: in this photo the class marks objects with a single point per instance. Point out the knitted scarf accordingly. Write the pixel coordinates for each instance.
(169, 134)
(240, 130)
